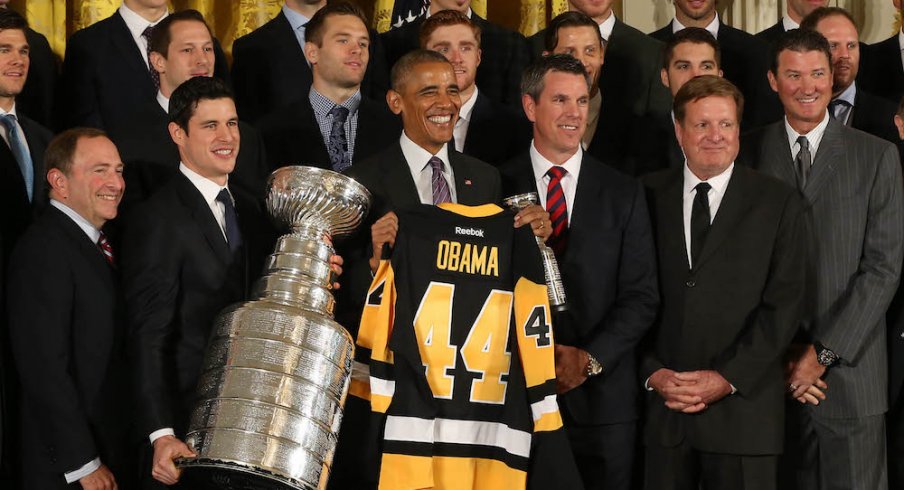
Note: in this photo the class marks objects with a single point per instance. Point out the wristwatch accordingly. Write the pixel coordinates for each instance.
(593, 368)
(824, 355)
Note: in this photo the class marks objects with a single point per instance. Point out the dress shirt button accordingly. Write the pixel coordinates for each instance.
(690, 283)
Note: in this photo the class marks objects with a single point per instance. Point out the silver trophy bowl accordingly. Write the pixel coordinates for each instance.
(277, 368)
(554, 287)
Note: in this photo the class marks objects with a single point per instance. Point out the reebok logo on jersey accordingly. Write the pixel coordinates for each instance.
(469, 231)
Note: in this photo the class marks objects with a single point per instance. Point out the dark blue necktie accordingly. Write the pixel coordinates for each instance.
(233, 235)
(338, 146)
(20, 152)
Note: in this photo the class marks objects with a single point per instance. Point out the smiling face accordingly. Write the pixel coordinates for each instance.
(210, 143)
(458, 44)
(559, 115)
(93, 185)
(583, 43)
(804, 84)
(709, 135)
(428, 100)
(341, 59)
(689, 60)
(14, 62)
(844, 43)
(190, 54)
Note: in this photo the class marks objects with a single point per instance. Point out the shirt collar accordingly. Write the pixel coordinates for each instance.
(718, 183)
(208, 188)
(901, 39)
(606, 26)
(468, 107)
(417, 157)
(86, 226)
(163, 101)
(136, 23)
(849, 94)
(296, 20)
(713, 26)
(11, 111)
(814, 137)
(322, 105)
(541, 165)
(788, 24)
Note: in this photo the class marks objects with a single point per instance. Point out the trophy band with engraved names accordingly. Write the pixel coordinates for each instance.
(277, 368)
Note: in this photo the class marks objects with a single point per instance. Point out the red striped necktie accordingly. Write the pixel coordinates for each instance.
(558, 210)
(105, 247)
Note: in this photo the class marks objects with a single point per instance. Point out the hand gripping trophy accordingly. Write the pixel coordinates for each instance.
(277, 368)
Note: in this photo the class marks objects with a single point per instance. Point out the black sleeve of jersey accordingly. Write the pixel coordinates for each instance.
(526, 259)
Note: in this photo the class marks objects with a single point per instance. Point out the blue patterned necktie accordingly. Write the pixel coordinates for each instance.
(441, 191)
(338, 146)
(233, 234)
(20, 152)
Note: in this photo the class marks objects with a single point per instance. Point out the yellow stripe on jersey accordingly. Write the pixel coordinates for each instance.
(535, 339)
(378, 317)
(548, 422)
(481, 211)
(401, 472)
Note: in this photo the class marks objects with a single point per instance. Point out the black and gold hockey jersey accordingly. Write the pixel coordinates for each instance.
(455, 348)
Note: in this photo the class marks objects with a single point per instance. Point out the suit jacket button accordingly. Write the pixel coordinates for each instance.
(690, 283)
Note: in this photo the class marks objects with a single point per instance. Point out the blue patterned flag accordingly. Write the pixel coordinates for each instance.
(390, 14)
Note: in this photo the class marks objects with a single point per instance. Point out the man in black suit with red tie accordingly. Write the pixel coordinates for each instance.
(270, 68)
(731, 253)
(334, 126)
(67, 327)
(603, 242)
(106, 71)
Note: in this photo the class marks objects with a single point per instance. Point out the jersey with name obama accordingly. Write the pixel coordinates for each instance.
(456, 351)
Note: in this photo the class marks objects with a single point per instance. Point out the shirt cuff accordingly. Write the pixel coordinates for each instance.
(91, 467)
(157, 434)
(733, 389)
(646, 384)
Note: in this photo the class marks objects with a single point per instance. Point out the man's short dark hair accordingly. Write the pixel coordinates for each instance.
(402, 68)
(186, 97)
(800, 41)
(533, 80)
(706, 86)
(815, 17)
(61, 149)
(445, 18)
(568, 19)
(10, 19)
(162, 35)
(693, 35)
(313, 30)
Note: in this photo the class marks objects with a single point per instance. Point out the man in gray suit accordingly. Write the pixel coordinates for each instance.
(852, 183)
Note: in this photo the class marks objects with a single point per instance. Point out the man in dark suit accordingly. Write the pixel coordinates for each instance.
(106, 72)
(37, 96)
(334, 126)
(486, 129)
(633, 100)
(270, 68)
(851, 105)
(66, 324)
(852, 183)
(745, 59)
(506, 51)
(731, 250)
(883, 65)
(795, 13)
(603, 240)
(187, 252)
(895, 319)
(181, 48)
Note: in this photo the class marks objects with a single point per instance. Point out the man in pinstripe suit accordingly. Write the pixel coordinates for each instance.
(852, 182)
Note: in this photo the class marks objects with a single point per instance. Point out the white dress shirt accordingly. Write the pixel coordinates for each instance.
(569, 181)
(719, 183)
(137, 24)
(460, 131)
(607, 25)
(418, 160)
(814, 138)
(163, 101)
(788, 24)
(5, 134)
(843, 112)
(298, 22)
(93, 235)
(713, 26)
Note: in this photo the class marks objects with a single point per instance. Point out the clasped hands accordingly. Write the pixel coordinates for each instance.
(803, 373)
(689, 391)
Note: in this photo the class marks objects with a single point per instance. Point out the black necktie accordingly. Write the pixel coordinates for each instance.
(837, 106)
(700, 220)
(338, 146)
(803, 161)
(233, 234)
(147, 33)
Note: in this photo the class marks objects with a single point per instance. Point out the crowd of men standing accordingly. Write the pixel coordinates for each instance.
(727, 210)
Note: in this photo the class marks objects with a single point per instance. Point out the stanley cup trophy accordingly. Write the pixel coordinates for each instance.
(554, 287)
(277, 367)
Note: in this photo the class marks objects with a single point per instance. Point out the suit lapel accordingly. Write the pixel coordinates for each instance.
(825, 160)
(397, 176)
(670, 209)
(82, 242)
(734, 204)
(203, 216)
(586, 198)
(37, 155)
(122, 39)
(477, 127)
(776, 156)
(365, 145)
(464, 181)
